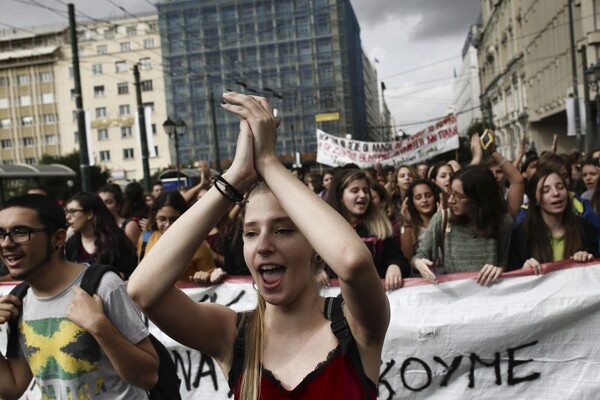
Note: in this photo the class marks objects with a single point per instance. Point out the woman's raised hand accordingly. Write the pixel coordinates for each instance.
(258, 114)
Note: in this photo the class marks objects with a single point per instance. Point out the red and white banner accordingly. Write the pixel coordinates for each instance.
(526, 337)
(431, 141)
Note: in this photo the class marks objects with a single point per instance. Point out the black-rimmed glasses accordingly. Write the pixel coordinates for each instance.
(72, 211)
(21, 235)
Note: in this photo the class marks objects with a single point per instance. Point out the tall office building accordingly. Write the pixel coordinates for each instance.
(305, 55)
(29, 93)
(37, 102)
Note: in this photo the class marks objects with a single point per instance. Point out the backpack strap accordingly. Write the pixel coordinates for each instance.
(145, 237)
(239, 349)
(333, 311)
(93, 275)
(12, 346)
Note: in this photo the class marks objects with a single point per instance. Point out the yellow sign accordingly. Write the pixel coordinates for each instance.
(327, 117)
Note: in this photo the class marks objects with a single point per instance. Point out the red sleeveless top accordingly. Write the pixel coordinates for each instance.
(334, 379)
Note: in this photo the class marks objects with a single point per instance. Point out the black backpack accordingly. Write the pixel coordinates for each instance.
(166, 388)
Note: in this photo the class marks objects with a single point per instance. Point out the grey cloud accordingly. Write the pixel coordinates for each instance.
(438, 18)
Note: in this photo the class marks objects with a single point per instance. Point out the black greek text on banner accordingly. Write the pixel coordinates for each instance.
(526, 337)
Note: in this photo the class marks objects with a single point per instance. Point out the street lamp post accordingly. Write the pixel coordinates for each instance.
(174, 130)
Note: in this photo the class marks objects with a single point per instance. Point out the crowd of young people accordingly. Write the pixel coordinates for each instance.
(377, 226)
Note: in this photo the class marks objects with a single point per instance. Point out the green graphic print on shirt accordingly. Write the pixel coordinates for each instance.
(56, 348)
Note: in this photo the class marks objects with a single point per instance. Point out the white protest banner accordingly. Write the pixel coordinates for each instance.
(525, 337)
(431, 141)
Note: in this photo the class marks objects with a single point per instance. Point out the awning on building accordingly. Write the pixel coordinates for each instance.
(23, 171)
(24, 53)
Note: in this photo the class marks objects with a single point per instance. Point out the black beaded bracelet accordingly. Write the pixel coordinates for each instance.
(228, 191)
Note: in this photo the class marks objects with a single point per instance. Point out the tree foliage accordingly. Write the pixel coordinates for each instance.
(59, 186)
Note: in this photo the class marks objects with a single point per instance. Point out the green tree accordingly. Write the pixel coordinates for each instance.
(98, 175)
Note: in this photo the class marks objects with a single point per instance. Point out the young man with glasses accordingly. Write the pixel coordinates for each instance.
(75, 345)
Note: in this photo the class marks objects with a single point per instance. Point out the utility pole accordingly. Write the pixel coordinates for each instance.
(215, 134)
(142, 125)
(575, 84)
(84, 160)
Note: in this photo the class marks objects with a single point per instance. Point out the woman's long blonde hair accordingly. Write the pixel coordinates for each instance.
(255, 334)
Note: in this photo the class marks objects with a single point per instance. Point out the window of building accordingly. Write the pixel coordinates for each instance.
(104, 155)
(97, 69)
(30, 160)
(124, 109)
(126, 132)
(322, 23)
(49, 119)
(150, 104)
(148, 43)
(306, 75)
(27, 121)
(121, 66)
(4, 81)
(101, 112)
(304, 51)
(302, 27)
(102, 49)
(76, 137)
(6, 143)
(23, 79)
(4, 102)
(128, 154)
(51, 140)
(156, 150)
(28, 141)
(47, 98)
(74, 115)
(153, 129)
(152, 27)
(8, 162)
(46, 76)
(99, 91)
(102, 134)
(125, 47)
(71, 72)
(145, 64)
(25, 100)
(326, 73)
(146, 85)
(5, 123)
(123, 88)
(131, 30)
(109, 33)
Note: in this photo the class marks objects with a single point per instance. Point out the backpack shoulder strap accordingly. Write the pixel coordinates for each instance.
(339, 326)
(93, 275)
(12, 346)
(239, 349)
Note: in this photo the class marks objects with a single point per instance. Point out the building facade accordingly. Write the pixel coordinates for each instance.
(548, 68)
(304, 55)
(37, 103)
(502, 71)
(108, 51)
(29, 94)
(466, 90)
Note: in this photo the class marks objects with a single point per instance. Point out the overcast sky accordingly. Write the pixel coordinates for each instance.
(418, 43)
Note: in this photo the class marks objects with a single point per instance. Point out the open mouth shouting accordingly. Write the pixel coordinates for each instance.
(271, 275)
